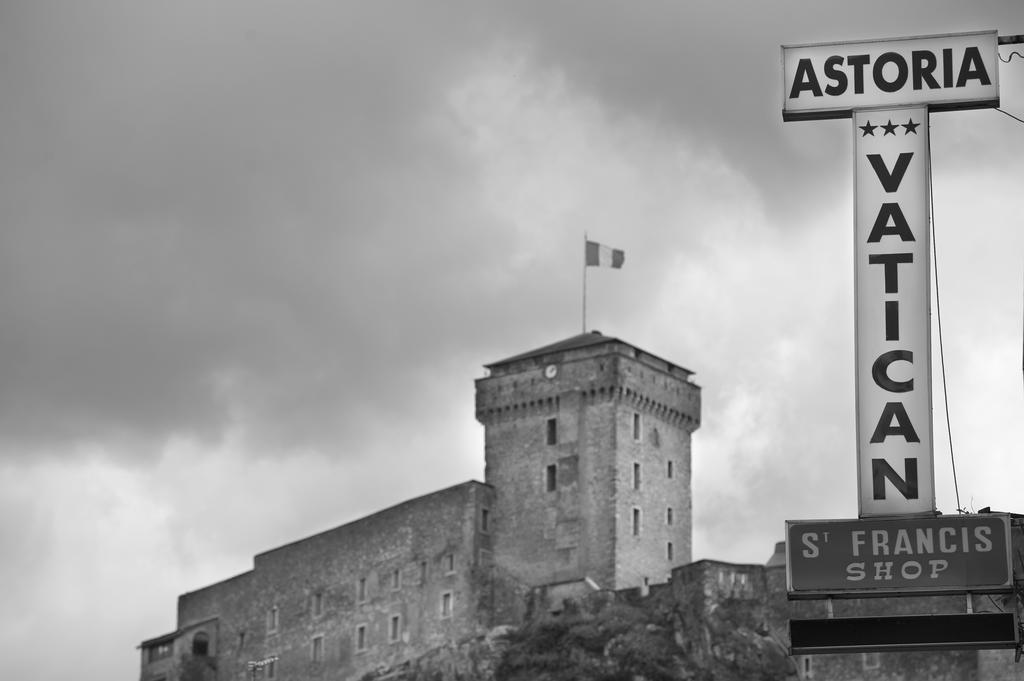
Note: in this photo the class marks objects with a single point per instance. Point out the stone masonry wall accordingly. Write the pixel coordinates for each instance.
(584, 527)
(654, 423)
(550, 535)
(426, 562)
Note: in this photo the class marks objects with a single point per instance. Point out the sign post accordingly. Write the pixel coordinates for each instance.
(900, 545)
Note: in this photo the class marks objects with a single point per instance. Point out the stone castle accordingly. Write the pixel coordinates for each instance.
(587, 491)
(587, 482)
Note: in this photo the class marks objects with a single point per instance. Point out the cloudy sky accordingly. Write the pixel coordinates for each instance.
(253, 254)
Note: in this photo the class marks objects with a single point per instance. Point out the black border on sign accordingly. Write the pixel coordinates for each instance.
(981, 631)
(833, 114)
(879, 592)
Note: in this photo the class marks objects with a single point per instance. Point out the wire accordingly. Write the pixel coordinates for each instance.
(938, 318)
(1010, 58)
(1019, 120)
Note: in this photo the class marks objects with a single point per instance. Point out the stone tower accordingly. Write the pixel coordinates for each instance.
(587, 445)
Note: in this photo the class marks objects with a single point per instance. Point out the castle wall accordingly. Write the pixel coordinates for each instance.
(325, 605)
(159, 657)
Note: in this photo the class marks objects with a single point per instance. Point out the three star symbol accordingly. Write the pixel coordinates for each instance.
(890, 128)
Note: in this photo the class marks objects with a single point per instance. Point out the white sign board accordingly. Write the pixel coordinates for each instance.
(893, 329)
(957, 71)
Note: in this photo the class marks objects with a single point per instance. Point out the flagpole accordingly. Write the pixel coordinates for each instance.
(584, 282)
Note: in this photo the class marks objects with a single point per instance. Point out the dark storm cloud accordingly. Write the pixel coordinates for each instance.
(259, 213)
(713, 68)
(217, 211)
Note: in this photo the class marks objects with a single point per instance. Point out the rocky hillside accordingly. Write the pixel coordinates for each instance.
(604, 638)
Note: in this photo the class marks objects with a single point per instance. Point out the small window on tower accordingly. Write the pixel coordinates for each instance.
(396, 580)
(361, 637)
(668, 515)
(318, 649)
(636, 522)
(361, 590)
(670, 470)
(551, 478)
(636, 427)
(485, 520)
(636, 476)
(552, 431)
(446, 604)
(668, 551)
(395, 628)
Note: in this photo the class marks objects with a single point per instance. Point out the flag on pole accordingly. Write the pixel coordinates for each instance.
(599, 255)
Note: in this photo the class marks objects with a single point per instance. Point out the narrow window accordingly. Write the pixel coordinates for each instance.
(636, 522)
(396, 580)
(395, 628)
(668, 515)
(636, 427)
(361, 590)
(551, 477)
(485, 520)
(668, 551)
(423, 572)
(552, 431)
(670, 471)
(361, 637)
(446, 604)
(449, 563)
(636, 476)
(271, 667)
(201, 644)
(808, 671)
(272, 619)
(318, 604)
(318, 649)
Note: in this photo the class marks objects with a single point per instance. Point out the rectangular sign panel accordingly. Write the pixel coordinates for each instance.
(903, 633)
(898, 556)
(957, 71)
(893, 325)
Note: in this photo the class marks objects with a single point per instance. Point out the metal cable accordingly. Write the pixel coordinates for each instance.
(1019, 120)
(938, 318)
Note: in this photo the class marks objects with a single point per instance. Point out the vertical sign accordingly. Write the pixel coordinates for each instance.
(893, 330)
